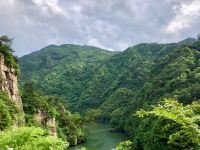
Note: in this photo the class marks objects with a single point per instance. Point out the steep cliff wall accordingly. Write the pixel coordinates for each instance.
(50, 122)
(9, 83)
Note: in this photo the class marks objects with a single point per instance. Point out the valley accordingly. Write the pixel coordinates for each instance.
(113, 86)
(149, 92)
(100, 75)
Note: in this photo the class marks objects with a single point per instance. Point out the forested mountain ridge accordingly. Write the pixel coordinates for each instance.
(84, 76)
(55, 69)
(120, 84)
(53, 55)
(129, 69)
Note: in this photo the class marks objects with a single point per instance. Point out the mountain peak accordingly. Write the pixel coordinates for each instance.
(187, 41)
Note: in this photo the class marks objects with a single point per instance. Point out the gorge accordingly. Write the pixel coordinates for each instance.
(63, 88)
(113, 86)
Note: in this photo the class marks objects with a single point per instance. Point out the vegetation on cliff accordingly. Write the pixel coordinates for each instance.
(67, 125)
(6, 50)
(7, 111)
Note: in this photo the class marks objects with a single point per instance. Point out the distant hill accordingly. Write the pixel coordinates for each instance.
(187, 41)
(62, 70)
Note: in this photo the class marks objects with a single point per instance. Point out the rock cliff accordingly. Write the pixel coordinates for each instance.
(9, 83)
(50, 122)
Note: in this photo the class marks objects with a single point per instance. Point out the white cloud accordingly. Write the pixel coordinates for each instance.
(186, 15)
(76, 8)
(49, 6)
(109, 24)
(96, 43)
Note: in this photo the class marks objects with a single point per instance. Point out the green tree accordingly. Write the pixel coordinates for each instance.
(126, 145)
(6, 50)
(29, 138)
(186, 118)
(5, 40)
(7, 112)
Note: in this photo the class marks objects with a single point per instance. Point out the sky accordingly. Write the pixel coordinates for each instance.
(108, 24)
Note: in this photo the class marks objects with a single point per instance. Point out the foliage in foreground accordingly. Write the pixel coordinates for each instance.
(68, 125)
(29, 138)
(126, 145)
(182, 120)
(8, 110)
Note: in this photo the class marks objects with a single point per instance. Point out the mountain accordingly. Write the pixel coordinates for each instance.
(173, 76)
(62, 70)
(187, 41)
(86, 76)
(117, 85)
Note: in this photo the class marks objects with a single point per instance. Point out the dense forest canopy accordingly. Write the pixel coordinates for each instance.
(112, 86)
(179, 126)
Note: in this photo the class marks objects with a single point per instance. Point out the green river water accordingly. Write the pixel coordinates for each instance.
(100, 138)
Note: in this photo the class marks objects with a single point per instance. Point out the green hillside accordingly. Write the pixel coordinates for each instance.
(62, 70)
(117, 85)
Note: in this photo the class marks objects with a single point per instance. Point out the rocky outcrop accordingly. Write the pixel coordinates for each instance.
(51, 123)
(42, 118)
(9, 83)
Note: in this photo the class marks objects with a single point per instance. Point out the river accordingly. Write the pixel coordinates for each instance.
(100, 138)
